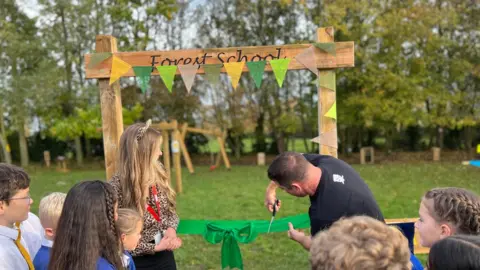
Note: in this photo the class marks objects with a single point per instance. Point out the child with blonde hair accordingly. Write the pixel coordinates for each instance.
(129, 224)
(50, 210)
(447, 211)
(360, 243)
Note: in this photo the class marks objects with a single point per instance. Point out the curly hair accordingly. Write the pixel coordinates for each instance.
(360, 243)
(458, 206)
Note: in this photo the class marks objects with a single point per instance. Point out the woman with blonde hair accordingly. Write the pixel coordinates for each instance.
(141, 183)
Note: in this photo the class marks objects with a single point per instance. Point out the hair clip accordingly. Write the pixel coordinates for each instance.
(142, 130)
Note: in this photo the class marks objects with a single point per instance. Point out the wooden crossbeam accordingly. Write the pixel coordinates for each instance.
(344, 58)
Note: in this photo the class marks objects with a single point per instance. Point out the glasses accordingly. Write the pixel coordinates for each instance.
(22, 198)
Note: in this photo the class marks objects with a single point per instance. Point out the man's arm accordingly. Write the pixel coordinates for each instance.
(300, 237)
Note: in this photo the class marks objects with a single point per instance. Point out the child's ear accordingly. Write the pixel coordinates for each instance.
(49, 232)
(122, 236)
(446, 230)
(2, 207)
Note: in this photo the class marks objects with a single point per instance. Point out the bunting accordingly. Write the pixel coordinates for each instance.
(143, 77)
(212, 72)
(332, 112)
(234, 70)
(327, 80)
(97, 58)
(168, 74)
(280, 67)
(188, 73)
(328, 47)
(257, 69)
(328, 138)
(119, 67)
(307, 58)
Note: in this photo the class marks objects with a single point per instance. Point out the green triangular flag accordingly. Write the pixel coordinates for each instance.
(168, 74)
(328, 47)
(97, 58)
(327, 80)
(332, 113)
(212, 72)
(256, 70)
(280, 67)
(143, 77)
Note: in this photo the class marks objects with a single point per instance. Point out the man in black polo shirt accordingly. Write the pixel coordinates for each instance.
(335, 189)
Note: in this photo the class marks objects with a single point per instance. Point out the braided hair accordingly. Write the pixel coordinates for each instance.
(86, 230)
(458, 206)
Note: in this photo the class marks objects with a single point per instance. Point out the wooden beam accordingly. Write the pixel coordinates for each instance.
(164, 126)
(326, 98)
(111, 108)
(183, 148)
(176, 161)
(204, 131)
(344, 58)
(166, 154)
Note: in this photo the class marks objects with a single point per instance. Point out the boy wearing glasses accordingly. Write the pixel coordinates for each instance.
(15, 204)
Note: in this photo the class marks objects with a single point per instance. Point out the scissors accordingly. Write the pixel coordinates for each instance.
(273, 214)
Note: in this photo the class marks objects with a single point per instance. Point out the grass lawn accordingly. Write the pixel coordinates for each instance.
(238, 194)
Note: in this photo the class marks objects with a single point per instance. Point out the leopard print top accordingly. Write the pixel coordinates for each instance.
(150, 225)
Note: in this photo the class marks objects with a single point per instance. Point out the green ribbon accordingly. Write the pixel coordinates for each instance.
(231, 232)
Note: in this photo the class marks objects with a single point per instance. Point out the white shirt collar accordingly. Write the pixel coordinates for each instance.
(47, 243)
(125, 260)
(9, 232)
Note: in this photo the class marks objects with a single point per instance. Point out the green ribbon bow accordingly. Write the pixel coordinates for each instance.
(231, 232)
(230, 236)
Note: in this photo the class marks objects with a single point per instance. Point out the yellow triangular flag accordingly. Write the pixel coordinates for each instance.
(119, 67)
(332, 113)
(234, 70)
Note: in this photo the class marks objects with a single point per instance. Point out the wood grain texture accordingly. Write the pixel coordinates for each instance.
(344, 58)
(111, 108)
(326, 98)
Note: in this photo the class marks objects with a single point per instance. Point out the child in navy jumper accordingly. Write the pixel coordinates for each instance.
(87, 236)
(130, 225)
(49, 213)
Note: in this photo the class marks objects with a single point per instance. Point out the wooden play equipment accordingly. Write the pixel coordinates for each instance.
(418, 249)
(436, 153)
(46, 157)
(62, 164)
(216, 132)
(364, 151)
(166, 129)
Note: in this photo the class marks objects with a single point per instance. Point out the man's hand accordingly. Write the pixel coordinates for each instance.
(299, 237)
(271, 196)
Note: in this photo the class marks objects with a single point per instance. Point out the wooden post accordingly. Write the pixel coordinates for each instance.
(221, 143)
(183, 147)
(363, 155)
(325, 97)
(111, 107)
(176, 159)
(46, 157)
(166, 153)
(436, 153)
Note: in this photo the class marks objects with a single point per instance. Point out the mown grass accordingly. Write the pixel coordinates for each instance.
(238, 194)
